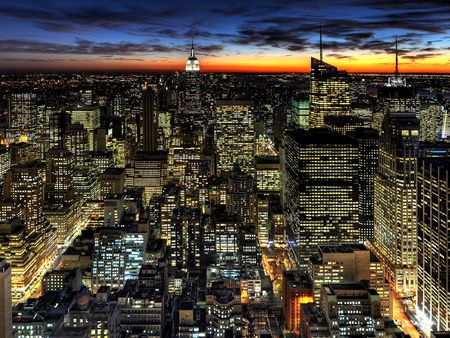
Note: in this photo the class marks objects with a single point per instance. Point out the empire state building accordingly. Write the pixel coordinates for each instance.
(193, 103)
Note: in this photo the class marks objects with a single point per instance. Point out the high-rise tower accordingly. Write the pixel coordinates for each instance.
(193, 103)
(319, 190)
(395, 202)
(433, 248)
(234, 133)
(149, 119)
(329, 91)
(396, 96)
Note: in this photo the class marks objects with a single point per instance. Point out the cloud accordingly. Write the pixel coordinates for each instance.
(362, 26)
(86, 47)
(423, 56)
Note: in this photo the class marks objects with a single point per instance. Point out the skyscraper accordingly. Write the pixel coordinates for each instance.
(5, 299)
(395, 96)
(22, 116)
(148, 171)
(193, 101)
(59, 189)
(433, 247)
(234, 134)
(367, 139)
(329, 91)
(319, 190)
(149, 119)
(89, 117)
(395, 226)
(23, 184)
(432, 122)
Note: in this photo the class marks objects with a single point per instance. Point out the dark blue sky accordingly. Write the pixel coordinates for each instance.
(156, 34)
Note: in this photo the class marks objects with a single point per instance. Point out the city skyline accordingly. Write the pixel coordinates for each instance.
(233, 37)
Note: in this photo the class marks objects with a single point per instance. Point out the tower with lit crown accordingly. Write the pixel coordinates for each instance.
(396, 96)
(193, 104)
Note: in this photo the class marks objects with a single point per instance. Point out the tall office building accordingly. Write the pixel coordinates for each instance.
(240, 194)
(432, 122)
(5, 161)
(5, 299)
(24, 185)
(234, 134)
(75, 140)
(329, 91)
(319, 190)
(148, 171)
(22, 116)
(367, 140)
(59, 189)
(299, 117)
(149, 119)
(89, 117)
(193, 76)
(396, 96)
(433, 247)
(395, 227)
(58, 123)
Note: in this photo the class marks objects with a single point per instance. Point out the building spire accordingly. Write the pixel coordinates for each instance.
(192, 46)
(396, 56)
(321, 45)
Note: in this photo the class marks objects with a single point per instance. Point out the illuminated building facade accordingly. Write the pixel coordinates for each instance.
(352, 309)
(111, 181)
(227, 234)
(117, 257)
(5, 161)
(59, 189)
(89, 118)
(193, 76)
(63, 220)
(22, 113)
(223, 311)
(24, 185)
(395, 227)
(343, 124)
(141, 311)
(432, 122)
(5, 299)
(395, 97)
(350, 264)
(234, 134)
(149, 120)
(22, 152)
(320, 191)
(299, 117)
(267, 174)
(240, 194)
(433, 247)
(85, 184)
(367, 140)
(297, 290)
(329, 93)
(149, 171)
(277, 224)
(76, 142)
(262, 219)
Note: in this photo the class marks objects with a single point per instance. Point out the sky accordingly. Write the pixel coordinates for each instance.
(231, 35)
